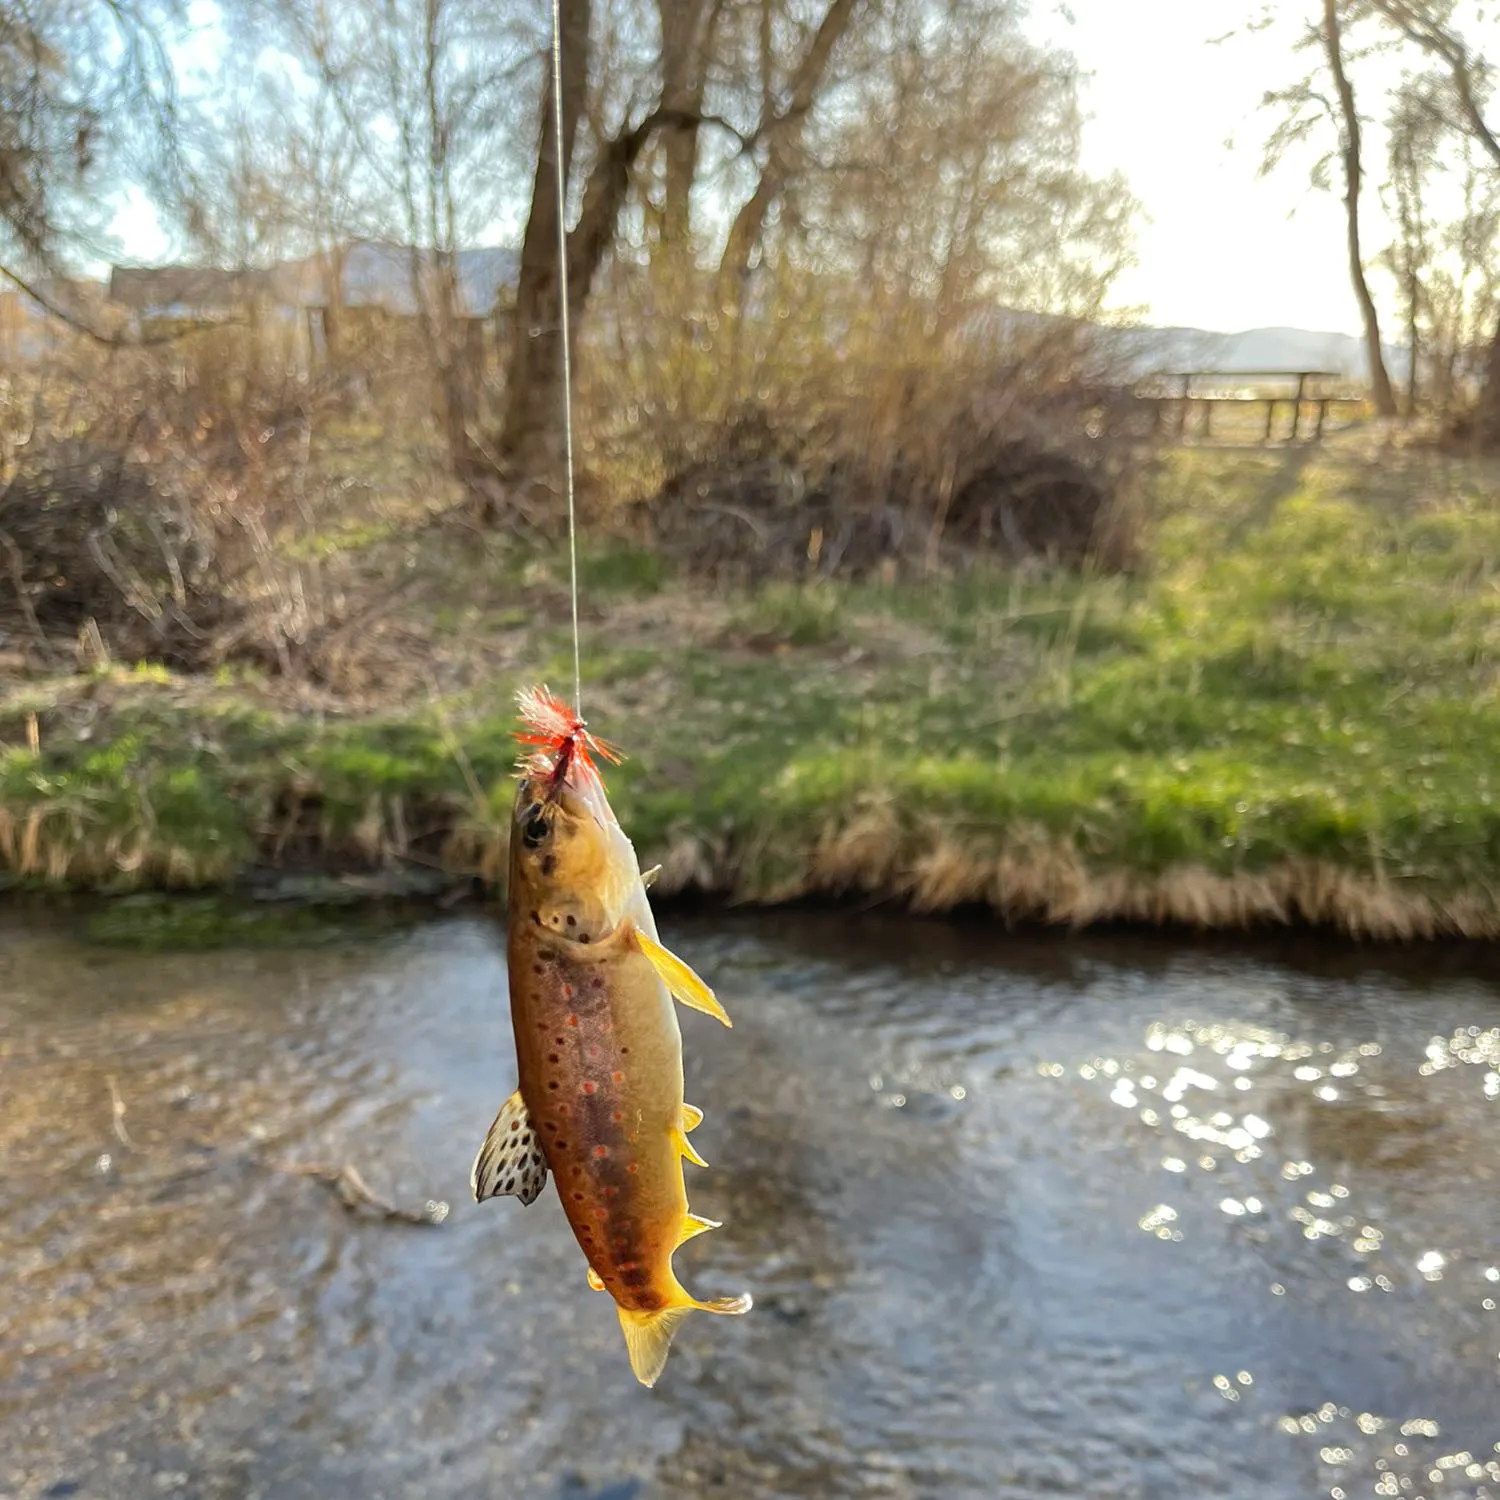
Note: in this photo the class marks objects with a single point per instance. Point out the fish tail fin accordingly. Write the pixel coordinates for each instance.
(648, 1335)
(648, 1338)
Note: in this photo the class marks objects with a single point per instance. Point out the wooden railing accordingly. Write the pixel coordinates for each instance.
(1187, 399)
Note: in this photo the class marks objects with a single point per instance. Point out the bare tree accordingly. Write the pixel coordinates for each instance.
(1458, 103)
(788, 93)
(534, 377)
(416, 97)
(1413, 158)
(1307, 106)
(88, 102)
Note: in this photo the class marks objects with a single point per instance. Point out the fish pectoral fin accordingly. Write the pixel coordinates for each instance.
(692, 1117)
(595, 1280)
(685, 1148)
(686, 987)
(694, 1225)
(510, 1163)
(648, 877)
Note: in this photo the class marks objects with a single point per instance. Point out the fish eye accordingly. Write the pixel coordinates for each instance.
(535, 829)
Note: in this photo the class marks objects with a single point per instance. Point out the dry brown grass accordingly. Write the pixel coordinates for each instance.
(1035, 879)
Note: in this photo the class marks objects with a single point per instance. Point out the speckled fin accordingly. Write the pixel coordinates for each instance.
(510, 1162)
(686, 987)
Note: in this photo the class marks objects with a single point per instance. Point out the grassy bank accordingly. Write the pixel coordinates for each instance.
(1291, 712)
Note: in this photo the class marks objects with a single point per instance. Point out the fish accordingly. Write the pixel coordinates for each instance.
(599, 1106)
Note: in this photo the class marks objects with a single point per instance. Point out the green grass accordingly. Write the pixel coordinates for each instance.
(1305, 671)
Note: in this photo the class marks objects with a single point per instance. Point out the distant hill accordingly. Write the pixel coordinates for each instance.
(1153, 350)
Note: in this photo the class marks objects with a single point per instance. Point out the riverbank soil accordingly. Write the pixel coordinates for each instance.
(1287, 710)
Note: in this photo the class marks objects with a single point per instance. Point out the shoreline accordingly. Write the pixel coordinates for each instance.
(1033, 890)
(1287, 720)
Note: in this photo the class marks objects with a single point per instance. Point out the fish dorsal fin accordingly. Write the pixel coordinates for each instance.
(510, 1162)
(692, 1117)
(685, 986)
(596, 1281)
(693, 1225)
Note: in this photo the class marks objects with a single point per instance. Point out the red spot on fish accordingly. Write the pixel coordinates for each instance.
(633, 1168)
(572, 1020)
(601, 1213)
(592, 1050)
(588, 1085)
(600, 1152)
(618, 1115)
(618, 1077)
(567, 991)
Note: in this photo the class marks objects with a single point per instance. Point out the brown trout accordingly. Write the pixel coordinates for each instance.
(600, 1101)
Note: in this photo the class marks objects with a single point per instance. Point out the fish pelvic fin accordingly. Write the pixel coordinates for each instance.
(510, 1162)
(692, 1117)
(686, 1148)
(685, 986)
(648, 1335)
(596, 1281)
(694, 1225)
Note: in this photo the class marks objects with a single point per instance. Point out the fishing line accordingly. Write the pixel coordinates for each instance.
(567, 342)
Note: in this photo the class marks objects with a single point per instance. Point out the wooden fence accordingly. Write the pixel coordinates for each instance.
(1183, 404)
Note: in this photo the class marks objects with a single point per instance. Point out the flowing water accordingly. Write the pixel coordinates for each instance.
(1022, 1217)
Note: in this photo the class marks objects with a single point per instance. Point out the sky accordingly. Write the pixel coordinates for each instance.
(1217, 246)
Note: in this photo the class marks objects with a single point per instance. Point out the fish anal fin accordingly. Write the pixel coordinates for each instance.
(685, 1148)
(648, 1338)
(595, 1280)
(694, 1225)
(692, 1117)
(685, 986)
(510, 1162)
(727, 1307)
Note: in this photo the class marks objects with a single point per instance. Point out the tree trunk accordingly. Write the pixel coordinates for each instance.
(1487, 411)
(687, 27)
(1380, 380)
(782, 134)
(530, 435)
(1413, 345)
